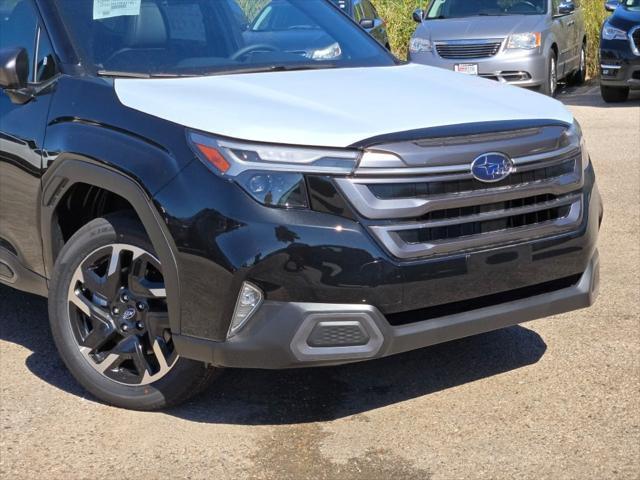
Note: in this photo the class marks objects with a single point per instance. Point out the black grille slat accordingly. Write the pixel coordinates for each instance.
(465, 51)
(461, 230)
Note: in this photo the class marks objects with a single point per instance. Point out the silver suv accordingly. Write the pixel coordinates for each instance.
(530, 43)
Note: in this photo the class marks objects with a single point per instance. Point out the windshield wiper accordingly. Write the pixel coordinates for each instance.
(116, 73)
(272, 68)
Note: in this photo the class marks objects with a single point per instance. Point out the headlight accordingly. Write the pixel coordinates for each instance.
(527, 41)
(419, 45)
(613, 33)
(573, 137)
(329, 53)
(272, 174)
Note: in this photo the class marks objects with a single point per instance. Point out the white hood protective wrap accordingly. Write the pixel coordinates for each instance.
(333, 107)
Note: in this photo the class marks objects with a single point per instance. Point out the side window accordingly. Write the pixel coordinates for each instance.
(18, 26)
(369, 11)
(46, 65)
(358, 12)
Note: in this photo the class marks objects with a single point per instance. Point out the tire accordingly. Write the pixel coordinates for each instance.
(614, 94)
(550, 86)
(579, 76)
(107, 311)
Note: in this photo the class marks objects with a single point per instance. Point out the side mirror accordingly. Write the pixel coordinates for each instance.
(611, 5)
(566, 8)
(418, 15)
(367, 23)
(14, 68)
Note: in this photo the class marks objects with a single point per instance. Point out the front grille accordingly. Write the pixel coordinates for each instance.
(442, 209)
(636, 38)
(468, 49)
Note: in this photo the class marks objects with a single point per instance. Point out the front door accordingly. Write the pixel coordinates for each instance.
(22, 130)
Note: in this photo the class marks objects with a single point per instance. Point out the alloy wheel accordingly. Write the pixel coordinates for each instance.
(118, 313)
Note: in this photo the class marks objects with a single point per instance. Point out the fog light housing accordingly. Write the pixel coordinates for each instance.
(249, 300)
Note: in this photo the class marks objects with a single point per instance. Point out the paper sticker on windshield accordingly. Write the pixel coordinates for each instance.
(115, 8)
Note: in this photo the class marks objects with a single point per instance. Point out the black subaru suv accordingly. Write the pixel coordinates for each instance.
(620, 51)
(189, 200)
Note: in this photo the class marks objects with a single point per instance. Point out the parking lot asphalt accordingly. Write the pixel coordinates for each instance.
(557, 398)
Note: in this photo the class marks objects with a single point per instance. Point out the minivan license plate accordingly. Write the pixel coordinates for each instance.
(468, 68)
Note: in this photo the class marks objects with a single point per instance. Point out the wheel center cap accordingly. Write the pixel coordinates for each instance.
(129, 314)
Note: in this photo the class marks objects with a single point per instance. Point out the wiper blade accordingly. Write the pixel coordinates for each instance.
(116, 73)
(272, 68)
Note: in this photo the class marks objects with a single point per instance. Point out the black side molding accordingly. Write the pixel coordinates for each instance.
(14, 274)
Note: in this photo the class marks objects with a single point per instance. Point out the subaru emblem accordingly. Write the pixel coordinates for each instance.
(491, 167)
(129, 313)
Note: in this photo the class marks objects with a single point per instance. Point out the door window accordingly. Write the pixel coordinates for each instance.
(369, 11)
(18, 26)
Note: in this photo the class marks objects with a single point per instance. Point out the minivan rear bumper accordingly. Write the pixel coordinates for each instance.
(286, 335)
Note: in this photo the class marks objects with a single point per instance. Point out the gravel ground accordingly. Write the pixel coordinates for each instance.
(556, 398)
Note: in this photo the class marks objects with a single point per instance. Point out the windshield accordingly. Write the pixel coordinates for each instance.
(475, 8)
(632, 5)
(201, 37)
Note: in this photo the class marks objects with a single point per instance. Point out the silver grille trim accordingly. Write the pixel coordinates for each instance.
(557, 156)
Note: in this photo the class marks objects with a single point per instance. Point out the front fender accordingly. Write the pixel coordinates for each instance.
(71, 169)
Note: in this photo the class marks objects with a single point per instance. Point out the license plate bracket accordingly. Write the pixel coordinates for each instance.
(466, 68)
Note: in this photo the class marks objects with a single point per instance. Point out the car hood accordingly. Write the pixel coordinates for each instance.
(334, 107)
(624, 18)
(473, 28)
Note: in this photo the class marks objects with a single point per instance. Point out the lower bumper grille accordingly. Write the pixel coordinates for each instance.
(405, 318)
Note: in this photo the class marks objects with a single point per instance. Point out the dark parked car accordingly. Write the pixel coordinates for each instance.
(190, 201)
(620, 51)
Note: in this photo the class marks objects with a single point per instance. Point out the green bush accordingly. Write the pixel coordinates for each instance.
(397, 14)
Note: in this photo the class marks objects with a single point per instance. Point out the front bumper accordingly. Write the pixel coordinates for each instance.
(619, 66)
(283, 335)
(328, 267)
(521, 68)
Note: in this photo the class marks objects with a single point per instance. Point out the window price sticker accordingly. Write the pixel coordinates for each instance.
(115, 8)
